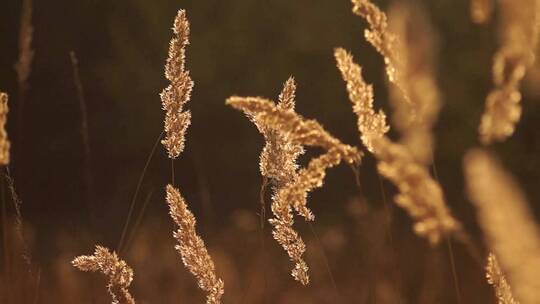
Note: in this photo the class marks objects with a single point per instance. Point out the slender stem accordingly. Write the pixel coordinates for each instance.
(6, 252)
(172, 171)
(36, 288)
(138, 221)
(137, 189)
(17, 204)
(387, 211)
(326, 263)
(262, 217)
(448, 242)
(454, 272)
(84, 134)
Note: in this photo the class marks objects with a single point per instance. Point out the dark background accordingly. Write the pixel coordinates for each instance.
(244, 47)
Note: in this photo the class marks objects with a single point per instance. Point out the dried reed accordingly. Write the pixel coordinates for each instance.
(175, 96)
(291, 193)
(518, 35)
(118, 272)
(508, 224)
(496, 278)
(382, 39)
(190, 246)
(420, 195)
(4, 142)
(192, 249)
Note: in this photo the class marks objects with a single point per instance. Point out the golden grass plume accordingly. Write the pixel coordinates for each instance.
(4, 142)
(496, 278)
(382, 39)
(371, 124)
(509, 227)
(192, 248)
(420, 195)
(118, 272)
(518, 35)
(175, 96)
(278, 158)
(291, 194)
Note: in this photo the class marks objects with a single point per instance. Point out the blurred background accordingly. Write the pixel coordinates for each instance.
(360, 249)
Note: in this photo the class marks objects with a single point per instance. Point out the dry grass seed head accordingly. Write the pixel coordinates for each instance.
(292, 193)
(509, 227)
(371, 124)
(302, 131)
(192, 248)
(118, 272)
(279, 155)
(174, 96)
(382, 39)
(4, 142)
(496, 278)
(518, 35)
(420, 195)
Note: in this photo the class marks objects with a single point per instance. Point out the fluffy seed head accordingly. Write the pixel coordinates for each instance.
(192, 248)
(118, 272)
(175, 96)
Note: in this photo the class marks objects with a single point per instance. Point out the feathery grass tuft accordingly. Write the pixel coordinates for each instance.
(175, 96)
(518, 35)
(496, 278)
(371, 125)
(291, 194)
(4, 142)
(118, 272)
(192, 249)
(420, 195)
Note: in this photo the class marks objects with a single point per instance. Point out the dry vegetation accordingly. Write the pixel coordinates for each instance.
(408, 45)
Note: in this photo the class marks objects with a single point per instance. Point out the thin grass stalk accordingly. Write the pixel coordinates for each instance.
(87, 161)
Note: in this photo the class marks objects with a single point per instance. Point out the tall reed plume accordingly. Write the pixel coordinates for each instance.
(192, 249)
(279, 155)
(117, 271)
(508, 224)
(291, 194)
(407, 45)
(4, 142)
(518, 35)
(382, 39)
(190, 246)
(420, 195)
(175, 96)
(496, 278)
